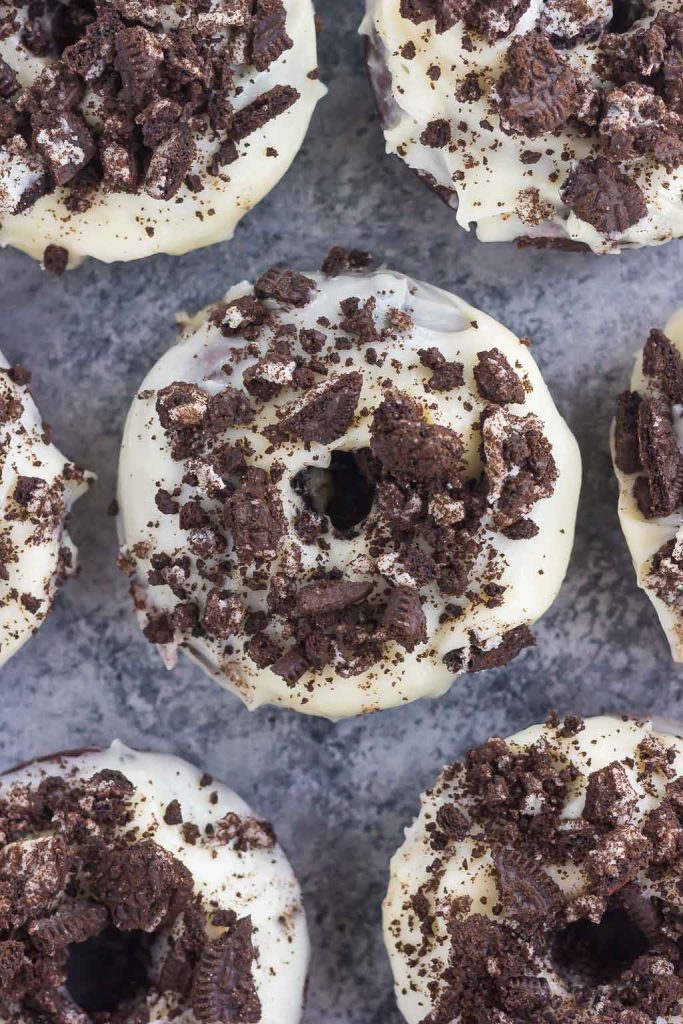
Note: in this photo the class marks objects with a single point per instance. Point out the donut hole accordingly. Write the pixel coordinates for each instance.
(64, 24)
(68, 22)
(108, 970)
(600, 952)
(342, 491)
(625, 13)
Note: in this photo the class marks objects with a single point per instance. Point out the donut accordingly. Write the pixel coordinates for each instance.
(647, 437)
(135, 888)
(554, 122)
(38, 487)
(341, 490)
(131, 127)
(541, 881)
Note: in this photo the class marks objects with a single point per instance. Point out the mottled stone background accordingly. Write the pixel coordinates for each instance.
(340, 794)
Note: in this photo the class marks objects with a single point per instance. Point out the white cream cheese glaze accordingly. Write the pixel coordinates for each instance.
(36, 552)
(257, 882)
(470, 874)
(488, 181)
(532, 570)
(120, 226)
(645, 537)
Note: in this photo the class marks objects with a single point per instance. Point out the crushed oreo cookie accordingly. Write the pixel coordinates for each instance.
(598, 192)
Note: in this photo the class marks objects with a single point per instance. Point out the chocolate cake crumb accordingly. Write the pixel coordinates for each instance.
(260, 111)
(332, 596)
(446, 376)
(292, 665)
(255, 517)
(523, 529)
(359, 320)
(270, 39)
(519, 466)
(477, 660)
(411, 449)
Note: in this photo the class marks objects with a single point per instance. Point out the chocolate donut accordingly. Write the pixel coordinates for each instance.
(129, 127)
(555, 122)
(39, 486)
(647, 443)
(340, 490)
(135, 888)
(541, 881)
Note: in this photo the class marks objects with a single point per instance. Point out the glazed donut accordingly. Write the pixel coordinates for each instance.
(137, 888)
(647, 440)
(556, 122)
(38, 486)
(131, 127)
(541, 881)
(339, 491)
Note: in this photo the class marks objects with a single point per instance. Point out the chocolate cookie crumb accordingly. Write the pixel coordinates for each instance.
(496, 379)
(599, 193)
(55, 259)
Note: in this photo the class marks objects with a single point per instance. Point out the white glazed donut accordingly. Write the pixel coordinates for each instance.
(647, 447)
(156, 130)
(541, 881)
(142, 889)
(304, 505)
(38, 486)
(553, 121)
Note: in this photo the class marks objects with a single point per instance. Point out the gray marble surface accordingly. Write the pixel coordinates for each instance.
(339, 794)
